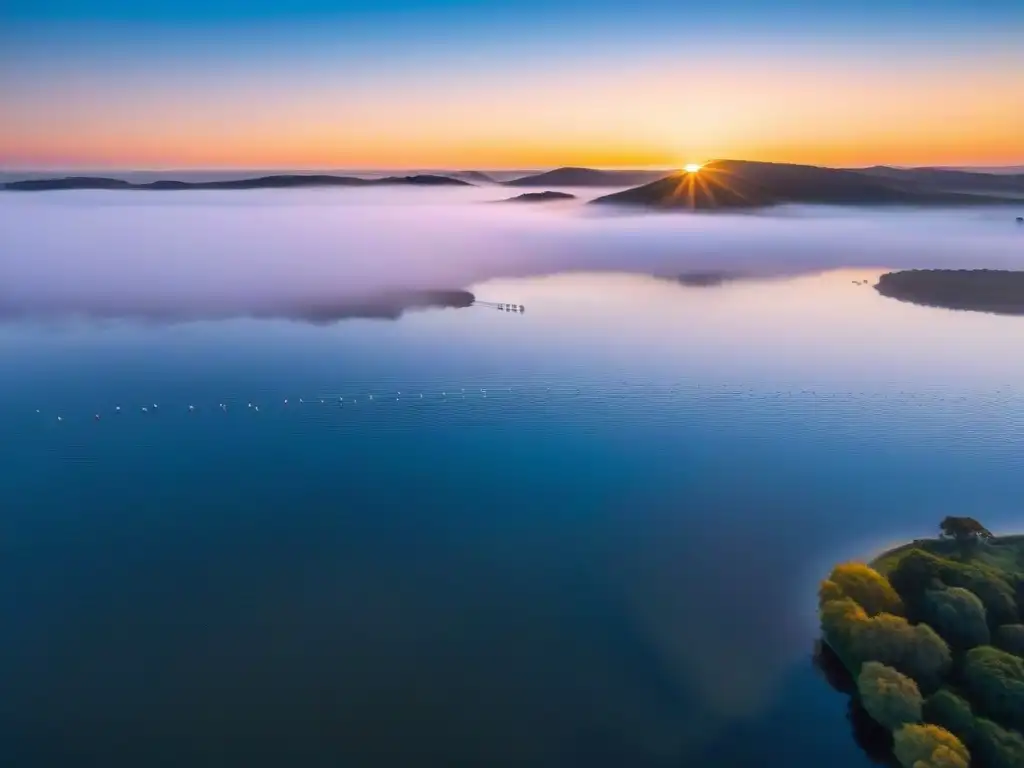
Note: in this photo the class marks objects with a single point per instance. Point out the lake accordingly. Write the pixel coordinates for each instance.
(589, 534)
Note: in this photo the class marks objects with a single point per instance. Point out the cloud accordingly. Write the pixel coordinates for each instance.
(312, 254)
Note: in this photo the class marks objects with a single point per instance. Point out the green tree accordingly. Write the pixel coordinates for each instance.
(958, 615)
(919, 572)
(950, 711)
(929, 746)
(998, 747)
(840, 620)
(964, 529)
(1010, 638)
(890, 698)
(995, 680)
(915, 650)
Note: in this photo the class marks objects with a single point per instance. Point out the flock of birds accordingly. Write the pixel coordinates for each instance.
(286, 402)
(571, 390)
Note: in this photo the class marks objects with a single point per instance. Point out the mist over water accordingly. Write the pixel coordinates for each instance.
(224, 253)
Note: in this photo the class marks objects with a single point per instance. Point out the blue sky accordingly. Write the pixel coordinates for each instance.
(104, 65)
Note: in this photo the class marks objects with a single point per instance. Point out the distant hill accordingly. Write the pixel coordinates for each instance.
(586, 177)
(950, 180)
(547, 196)
(478, 177)
(737, 184)
(263, 182)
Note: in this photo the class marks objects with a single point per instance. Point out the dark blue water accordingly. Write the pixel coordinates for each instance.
(594, 540)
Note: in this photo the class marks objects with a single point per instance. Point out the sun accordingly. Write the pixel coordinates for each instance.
(692, 167)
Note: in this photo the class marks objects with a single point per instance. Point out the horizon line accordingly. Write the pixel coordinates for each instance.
(460, 169)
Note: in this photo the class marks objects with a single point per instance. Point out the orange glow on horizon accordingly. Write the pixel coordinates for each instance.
(962, 113)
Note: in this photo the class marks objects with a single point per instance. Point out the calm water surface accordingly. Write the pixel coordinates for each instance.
(599, 546)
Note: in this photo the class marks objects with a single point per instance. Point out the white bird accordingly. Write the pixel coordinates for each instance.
(145, 409)
(117, 409)
(371, 397)
(37, 410)
(421, 395)
(250, 405)
(301, 401)
(191, 407)
(286, 401)
(97, 417)
(155, 406)
(60, 418)
(257, 408)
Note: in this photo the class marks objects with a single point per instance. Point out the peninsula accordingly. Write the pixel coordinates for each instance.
(289, 181)
(933, 634)
(980, 290)
(388, 305)
(741, 184)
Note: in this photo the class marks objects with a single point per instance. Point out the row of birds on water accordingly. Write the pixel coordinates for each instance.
(481, 392)
(255, 408)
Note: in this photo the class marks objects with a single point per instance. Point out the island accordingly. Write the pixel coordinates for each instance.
(548, 196)
(742, 184)
(980, 290)
(286, 181)
(706, 279)
(932, 637)
(586, 177)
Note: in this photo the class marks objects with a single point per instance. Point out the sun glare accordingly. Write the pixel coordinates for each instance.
(691, 167)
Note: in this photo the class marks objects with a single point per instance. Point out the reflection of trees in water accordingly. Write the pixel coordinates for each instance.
(873, 739)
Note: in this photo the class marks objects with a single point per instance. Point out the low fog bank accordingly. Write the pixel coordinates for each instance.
(289, 253)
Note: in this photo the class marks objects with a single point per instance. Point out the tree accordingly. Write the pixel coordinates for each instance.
(890, 698)
(913, 649)
(839, 622)
(998, 747)
(1010, 638)
(950, 711)
(864, 585)
(995, 680)
(919, 572)
(963, 529)
(929, 746)
(958, 615)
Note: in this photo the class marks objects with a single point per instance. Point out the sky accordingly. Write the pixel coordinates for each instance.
(519, 84)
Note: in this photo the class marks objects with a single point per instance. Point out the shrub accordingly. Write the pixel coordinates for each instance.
(915, 650)
(950, 711)
(1010, 638)
(958, 616)
(865, 586)
(998, 747)
(995, 680)
(839, 622)
(890, 698)
(918, 572)
(929, 746)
